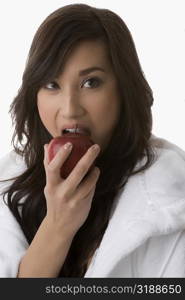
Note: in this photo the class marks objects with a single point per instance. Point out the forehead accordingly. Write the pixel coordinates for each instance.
(86, 54)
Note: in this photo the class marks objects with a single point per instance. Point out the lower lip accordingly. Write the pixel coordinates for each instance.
(76, 133)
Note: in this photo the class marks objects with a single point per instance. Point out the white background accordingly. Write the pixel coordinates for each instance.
(158, 30)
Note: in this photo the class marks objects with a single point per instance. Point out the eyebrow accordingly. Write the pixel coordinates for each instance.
(89, 70)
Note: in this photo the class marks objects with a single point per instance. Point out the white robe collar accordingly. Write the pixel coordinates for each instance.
(152, 203)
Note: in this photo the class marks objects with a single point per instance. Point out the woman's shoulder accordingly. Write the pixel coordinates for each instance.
(163, 184)
(165, 149)
(168, 168)
(156, 195)
(11, 164)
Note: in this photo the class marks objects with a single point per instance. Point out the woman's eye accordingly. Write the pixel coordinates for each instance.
(92, 82)
(51, 85)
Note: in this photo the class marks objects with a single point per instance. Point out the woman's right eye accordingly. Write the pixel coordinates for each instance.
(51, 86)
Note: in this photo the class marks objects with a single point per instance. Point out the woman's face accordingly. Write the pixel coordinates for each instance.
(85, 93)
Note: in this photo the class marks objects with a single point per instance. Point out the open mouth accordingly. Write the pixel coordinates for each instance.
(75, 131)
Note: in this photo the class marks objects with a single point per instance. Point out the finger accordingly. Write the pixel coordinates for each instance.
(82, 167)
(88, 184)
(53, 167)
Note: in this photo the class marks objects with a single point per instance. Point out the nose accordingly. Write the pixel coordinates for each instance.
(71, 106)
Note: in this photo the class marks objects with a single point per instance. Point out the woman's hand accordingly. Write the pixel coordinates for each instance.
(69, 200)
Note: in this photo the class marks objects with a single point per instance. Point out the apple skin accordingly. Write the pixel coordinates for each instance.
(81, 144)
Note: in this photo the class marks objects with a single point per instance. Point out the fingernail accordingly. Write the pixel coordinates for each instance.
(95, 147)
(68, 146)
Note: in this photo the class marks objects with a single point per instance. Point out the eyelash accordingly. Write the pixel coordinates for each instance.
(95, 79)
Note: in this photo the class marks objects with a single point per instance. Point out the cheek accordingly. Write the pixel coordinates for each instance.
(42, 109)
(107, 110)
(105, 115)
(46, 112)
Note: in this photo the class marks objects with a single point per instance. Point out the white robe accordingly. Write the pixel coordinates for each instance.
(145, 236)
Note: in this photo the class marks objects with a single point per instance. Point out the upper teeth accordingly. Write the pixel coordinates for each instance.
(74, 130)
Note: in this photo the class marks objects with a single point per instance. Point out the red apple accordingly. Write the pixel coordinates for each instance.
(81, 143)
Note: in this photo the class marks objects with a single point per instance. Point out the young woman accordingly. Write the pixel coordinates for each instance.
(126, 218)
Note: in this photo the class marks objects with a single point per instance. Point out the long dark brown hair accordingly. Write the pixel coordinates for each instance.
(54, 39)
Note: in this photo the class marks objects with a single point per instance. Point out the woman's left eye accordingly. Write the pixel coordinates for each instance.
(92, 82)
